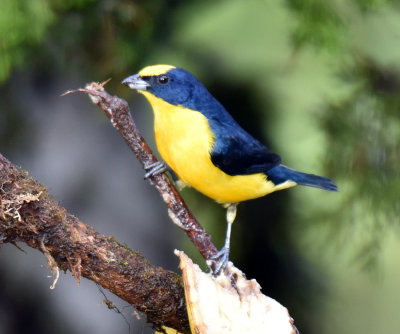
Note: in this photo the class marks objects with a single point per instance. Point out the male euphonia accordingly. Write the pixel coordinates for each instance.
(208, 149)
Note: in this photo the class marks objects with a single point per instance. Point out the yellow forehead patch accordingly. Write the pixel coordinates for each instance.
(155, 70)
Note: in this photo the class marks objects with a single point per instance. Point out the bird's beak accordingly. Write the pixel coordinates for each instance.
(136, 82)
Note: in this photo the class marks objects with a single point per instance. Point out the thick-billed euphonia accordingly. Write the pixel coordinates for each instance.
(207, 148)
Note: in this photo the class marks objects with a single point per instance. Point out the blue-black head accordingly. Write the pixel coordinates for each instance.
(174, 85)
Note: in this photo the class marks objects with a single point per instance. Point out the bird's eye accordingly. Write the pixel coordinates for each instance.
(163, 79)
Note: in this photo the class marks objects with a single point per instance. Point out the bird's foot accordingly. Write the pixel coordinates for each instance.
(219, 261)
(155, 168)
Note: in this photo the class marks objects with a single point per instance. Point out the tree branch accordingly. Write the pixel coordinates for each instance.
(117, 110)
(29, 214)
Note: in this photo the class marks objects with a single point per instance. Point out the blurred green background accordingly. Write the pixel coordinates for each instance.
(317, 81)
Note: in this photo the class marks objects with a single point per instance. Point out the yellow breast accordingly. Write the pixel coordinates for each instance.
(184, 140)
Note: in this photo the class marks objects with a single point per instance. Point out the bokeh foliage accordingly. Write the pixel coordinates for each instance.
(366, 124)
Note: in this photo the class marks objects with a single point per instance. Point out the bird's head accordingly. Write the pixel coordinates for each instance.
(174, 85)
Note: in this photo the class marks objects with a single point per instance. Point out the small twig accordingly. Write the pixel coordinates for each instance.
(117, 110)
(110, 305)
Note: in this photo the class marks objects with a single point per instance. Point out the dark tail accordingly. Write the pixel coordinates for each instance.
(280, 174)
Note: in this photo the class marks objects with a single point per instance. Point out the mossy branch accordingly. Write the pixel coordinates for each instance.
(29, 214)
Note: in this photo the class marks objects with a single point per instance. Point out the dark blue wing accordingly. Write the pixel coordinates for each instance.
(237, 153)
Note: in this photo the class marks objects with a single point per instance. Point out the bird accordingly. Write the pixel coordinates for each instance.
(208, 150)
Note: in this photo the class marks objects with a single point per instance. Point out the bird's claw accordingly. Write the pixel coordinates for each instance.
(219, 261)
(155, 168)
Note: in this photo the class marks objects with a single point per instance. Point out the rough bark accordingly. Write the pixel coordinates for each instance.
(29, 214)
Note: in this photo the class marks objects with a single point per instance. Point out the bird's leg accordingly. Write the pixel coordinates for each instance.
(155, 168)
(218, 262)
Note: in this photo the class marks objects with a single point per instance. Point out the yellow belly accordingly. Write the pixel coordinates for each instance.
(184, 140)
